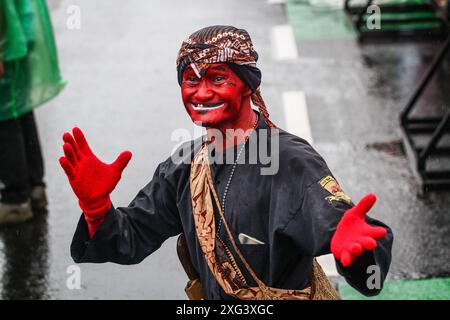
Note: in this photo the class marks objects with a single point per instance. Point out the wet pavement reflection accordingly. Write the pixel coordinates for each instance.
(25, 259)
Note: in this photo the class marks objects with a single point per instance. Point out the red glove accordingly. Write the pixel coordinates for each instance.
(92, 180)
(353, 234)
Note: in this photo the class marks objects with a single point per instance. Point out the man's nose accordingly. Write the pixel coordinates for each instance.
(204, 92)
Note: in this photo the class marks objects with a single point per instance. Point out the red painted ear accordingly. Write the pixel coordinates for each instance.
(247, 91)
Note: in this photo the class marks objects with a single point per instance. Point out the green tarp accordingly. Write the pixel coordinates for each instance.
(28, 51)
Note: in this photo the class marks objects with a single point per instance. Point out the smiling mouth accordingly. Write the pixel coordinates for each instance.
(207, 106)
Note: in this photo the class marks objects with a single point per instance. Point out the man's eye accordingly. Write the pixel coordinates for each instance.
(192, 79)
(219, 78)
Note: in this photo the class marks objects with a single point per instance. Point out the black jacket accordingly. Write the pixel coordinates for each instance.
(290, 212)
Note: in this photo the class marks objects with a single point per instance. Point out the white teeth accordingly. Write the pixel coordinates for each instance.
(201, 107)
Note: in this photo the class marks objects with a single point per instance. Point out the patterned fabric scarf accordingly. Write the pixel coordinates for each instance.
(221, 44)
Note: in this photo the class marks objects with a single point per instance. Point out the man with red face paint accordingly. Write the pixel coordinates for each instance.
(249, 235)
(219, 99)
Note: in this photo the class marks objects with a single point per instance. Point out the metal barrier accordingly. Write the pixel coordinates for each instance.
(432, 127)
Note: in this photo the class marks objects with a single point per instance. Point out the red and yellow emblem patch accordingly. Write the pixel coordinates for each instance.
(331, 185)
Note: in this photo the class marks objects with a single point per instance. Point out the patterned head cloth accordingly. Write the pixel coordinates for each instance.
(224, 44)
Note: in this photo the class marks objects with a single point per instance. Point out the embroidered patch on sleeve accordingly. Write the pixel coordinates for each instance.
(331, 185)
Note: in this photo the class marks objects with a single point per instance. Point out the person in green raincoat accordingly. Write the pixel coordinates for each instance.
(29, 76)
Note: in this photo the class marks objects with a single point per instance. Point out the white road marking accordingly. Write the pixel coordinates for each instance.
(276, 1)
(296, 115)
(297, 123)
(336, 4)
(283, 43)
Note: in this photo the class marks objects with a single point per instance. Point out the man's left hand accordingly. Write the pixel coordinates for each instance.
(354, 235)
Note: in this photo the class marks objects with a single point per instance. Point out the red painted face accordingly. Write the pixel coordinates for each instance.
(215, 98)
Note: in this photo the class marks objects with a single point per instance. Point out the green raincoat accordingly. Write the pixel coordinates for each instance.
(28, 51)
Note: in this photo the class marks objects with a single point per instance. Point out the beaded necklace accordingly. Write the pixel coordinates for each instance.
(227, 186)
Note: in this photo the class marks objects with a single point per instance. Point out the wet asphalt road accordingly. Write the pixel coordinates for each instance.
(355, 94)
(123, 93)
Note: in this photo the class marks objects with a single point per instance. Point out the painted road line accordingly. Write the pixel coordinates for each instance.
(297, 123)
(276, 1)
(283, 43)
(296, 115)
(414, 289)
(334, 4)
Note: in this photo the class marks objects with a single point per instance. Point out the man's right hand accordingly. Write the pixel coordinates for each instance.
(91, 179)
